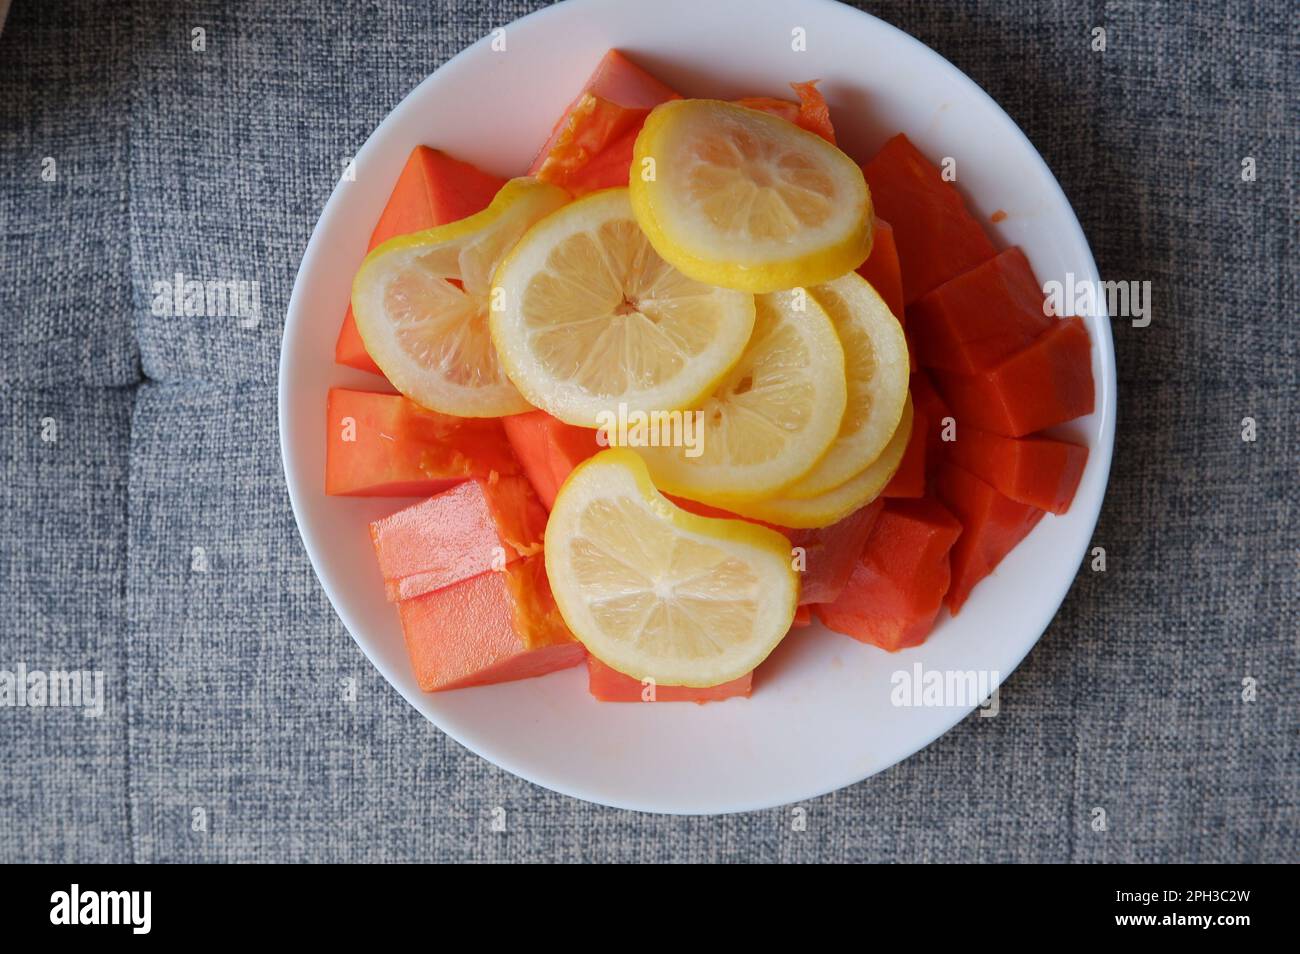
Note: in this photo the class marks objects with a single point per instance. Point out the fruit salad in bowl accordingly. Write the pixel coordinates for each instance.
(695, 385)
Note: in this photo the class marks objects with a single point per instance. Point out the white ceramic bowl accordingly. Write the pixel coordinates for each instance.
(821, 716)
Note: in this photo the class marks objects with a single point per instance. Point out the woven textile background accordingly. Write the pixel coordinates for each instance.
(223, 666)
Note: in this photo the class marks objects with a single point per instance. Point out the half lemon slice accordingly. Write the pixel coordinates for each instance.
(743, 199)
(421, 304)
(656, 592)
(771, 418)
(588, 317)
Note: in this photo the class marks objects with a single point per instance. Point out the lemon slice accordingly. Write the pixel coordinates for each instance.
(771, 418)
(421, 304)
(656, 592)
(743, 199)
(838, 502)
(876, 372)
(588, 317)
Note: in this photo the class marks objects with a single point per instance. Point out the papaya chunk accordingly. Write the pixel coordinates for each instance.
(494, 627)
(882, 269)
(897, 587)
(610, 685)
(933, 410)
(594, 147)
(909, 480)
(992, 525)
(829, 553)
(611, 104)
(548, 449)
(474, 527)
(810, 113)
(383, 445)
(1044, 384)
(1037, 471)
(937, 237)
(980, 318)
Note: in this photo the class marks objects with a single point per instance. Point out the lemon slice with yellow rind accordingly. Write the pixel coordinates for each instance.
(588, 317)
(743, 199)
(656, 592)
(421, 304)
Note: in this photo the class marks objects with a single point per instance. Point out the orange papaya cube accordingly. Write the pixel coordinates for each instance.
(881, 268)
(909, 479)
(350, 350)
(978, 319)
(897, 587)
(474, 527)
(616, 81)
(609, 685)
(930, 405)
(432, 190)
(937, 237)
(992, 525)
(802, 616)
(608, 169)
(548, 449)
(1046, 383)
(382, 445)
(830, 553)
(1037, 471)
(814, 114)
(494, 627)
(810, 113)
(594, 147)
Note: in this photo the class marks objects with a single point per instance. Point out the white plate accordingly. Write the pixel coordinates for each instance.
(820, 717)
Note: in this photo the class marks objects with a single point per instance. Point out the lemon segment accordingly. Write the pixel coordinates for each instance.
(771, 418)
(743, 199)
(876, 373)
(421, 304)
(655, 592)
(588, 317)
(838, 502)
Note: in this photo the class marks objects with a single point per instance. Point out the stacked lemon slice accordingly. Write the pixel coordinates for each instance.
(588, 315)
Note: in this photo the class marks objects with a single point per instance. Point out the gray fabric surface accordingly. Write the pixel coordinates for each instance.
(223, 682)
(65, 74)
